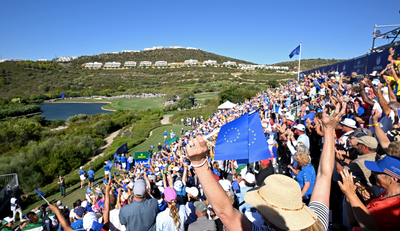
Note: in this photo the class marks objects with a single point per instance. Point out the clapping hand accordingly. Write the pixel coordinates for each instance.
(347, 186)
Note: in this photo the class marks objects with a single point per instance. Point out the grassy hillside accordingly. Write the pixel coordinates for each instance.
(169, 55)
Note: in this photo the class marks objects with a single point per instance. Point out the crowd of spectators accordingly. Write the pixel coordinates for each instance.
(335, 147)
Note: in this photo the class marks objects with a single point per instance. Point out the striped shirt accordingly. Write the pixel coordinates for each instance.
(319, 208)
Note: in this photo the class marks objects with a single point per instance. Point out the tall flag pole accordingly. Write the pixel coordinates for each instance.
(298, 70)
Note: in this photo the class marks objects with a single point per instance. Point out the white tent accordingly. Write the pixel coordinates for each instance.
(226, 105)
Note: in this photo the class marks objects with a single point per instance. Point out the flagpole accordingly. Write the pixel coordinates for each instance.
(298, 70)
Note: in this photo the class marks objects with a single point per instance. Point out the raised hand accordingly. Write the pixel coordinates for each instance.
(330, 122)
(347, 186)
(197, 149)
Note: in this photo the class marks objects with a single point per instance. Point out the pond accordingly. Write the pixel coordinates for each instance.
(53, 111)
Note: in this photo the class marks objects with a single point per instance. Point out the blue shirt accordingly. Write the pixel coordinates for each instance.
(106, 168)
(90, 173)
(360, 110)
(244, 207)
(81, 172)
(304, 139)
(123, 159)
(118, 158)
(307, 174)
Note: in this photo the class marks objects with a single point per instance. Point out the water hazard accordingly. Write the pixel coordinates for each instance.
(54, 111)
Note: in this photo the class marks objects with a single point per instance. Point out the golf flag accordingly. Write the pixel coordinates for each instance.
(295, 52)
(41, 194)
(242, 139)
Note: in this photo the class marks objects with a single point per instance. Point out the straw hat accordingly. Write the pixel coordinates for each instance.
(280, 201)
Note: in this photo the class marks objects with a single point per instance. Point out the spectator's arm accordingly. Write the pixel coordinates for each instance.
(364, 97)
(322, 187)
(60, 218)
(361, 213)
(305, 188)
(380, 134)
(106, 212)
(119, 199)
(382, 101)
(185, 173)
(392, 96)
(230, 217)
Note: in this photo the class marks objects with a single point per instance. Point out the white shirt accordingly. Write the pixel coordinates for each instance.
(165, 222)
(114, 220)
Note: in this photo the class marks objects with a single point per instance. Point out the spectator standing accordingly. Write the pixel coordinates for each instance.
(173, 217)
(16, 208)
(61, 184)
(202, 222)
(82, 176)
(131, 160)
(7, 223)
(107, 171)
(123, 161)
(306, 176)
(140, 214)
(266, 170)
(91, 177)
(300, 131)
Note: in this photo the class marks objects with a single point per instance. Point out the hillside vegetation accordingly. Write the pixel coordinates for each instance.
(169, 55)
(307, 64)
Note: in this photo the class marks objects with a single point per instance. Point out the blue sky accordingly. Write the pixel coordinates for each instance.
(263, 32)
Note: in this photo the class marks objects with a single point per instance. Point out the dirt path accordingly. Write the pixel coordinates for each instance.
(165, 119)
(109, 139)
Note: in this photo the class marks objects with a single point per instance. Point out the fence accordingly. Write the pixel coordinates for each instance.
(10, 185)
(363, 65)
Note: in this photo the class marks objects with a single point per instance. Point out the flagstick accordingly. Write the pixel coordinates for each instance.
(298, 70)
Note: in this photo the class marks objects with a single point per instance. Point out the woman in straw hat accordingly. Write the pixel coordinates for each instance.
(279, 201)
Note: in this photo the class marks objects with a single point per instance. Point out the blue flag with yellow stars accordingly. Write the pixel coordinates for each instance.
(242, 139)
(296, 51)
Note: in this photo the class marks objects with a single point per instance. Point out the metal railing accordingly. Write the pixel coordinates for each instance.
(10, 185)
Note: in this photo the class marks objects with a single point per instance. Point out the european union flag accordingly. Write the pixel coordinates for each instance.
(295, 52)
(122, 149)
(242, 139)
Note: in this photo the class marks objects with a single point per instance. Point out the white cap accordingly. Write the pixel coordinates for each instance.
(225, 185)
(290, 117)
(250, 178)
(193, 190)
(84, 204)
(59, 202)
(300, 127)
(88, 220)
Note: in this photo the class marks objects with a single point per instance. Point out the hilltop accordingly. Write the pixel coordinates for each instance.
(169, 55)
(307, 64)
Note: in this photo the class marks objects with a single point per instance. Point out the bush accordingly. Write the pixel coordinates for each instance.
(18, 110)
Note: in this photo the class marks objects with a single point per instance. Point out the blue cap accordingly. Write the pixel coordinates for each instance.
(389, 165)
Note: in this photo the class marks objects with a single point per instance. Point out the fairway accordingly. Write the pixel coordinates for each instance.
(123, 103)
(139, 104)
(157, 136)
(200, 98)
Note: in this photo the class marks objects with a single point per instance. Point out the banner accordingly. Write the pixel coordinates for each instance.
(62, 96)
(323, 69)
(141, 157)
(345, 67)
(377, 61)
(332, 67)
(359, 65)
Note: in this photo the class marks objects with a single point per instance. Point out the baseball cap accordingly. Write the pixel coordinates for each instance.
(90, 221)
(300, 127)
(266, 161)
(79, 211)
(201, 206)
(368, 141)
(139, 189)
(250, 178)
(170, 194)
(59, 202)
(388, 165)
(193, 191)
(6, 220)
(290, 117)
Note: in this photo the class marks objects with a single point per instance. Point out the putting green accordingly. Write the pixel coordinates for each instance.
(123, 103)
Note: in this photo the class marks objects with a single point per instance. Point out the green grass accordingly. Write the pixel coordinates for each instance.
(157, 136)
(201, 98)
(139, 104)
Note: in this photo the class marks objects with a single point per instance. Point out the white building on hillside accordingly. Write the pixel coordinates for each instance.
(145, 64)
(93, 65)
(42, 60)
(210, 62)
(174, 47)
(130, 64)
(3, 60)
(161, 64)
(112, 64)
(191, 48)
(191, 62)
(229, 63)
